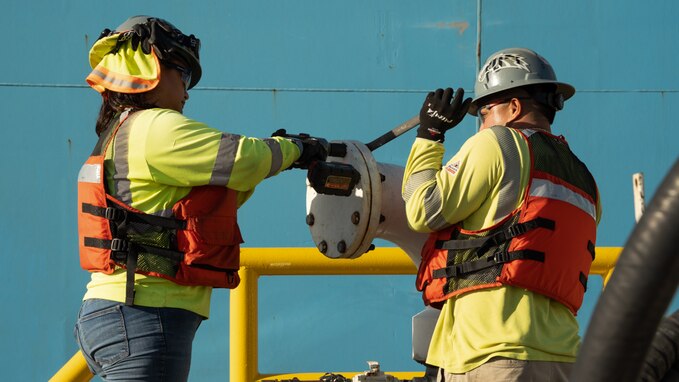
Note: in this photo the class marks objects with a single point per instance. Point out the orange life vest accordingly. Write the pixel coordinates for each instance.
(198, 245)
(546, 245)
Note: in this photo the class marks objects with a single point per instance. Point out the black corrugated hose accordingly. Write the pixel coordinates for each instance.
(638, 294)
(662, 360)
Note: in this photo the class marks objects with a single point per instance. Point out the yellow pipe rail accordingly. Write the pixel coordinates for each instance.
(256, 262)
(604, 263)
(75, 370)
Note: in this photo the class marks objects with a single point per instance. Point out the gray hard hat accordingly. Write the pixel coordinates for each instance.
(516, 67)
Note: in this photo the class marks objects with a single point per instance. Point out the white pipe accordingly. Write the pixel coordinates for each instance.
(638, 189)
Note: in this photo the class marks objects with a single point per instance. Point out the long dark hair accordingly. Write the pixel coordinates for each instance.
(114, 103)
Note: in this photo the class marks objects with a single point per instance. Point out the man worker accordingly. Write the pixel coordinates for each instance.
(512, 218)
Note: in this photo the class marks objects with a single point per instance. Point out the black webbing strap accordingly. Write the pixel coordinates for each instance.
(458, 270)
(120, 245)
(583, 280)
(128, 252)
(116, 245)
(131, 264)
(497, 238)
(119, 214)
(590, 249)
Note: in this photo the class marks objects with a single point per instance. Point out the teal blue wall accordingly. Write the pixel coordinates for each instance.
(348, 69)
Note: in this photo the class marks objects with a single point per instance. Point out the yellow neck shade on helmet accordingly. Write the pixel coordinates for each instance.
(122, 70)
(128, 59)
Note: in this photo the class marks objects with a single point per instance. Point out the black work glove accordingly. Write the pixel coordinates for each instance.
(439, 114)
(313, 148)
(139, 35)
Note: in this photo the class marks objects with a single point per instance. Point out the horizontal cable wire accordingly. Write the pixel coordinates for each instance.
(319, 90)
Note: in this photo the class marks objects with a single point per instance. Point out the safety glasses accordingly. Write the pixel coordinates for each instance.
(485, 109)
(186, 73)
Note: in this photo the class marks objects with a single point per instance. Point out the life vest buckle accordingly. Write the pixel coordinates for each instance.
(501, 257)
(115, 214)
(516, 230)
(119, 245)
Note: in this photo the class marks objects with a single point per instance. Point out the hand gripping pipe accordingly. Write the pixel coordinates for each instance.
(641, 288)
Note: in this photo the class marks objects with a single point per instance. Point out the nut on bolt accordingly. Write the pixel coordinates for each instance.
(323, 246)
(310, 219)
(341, 246)
(356, 217)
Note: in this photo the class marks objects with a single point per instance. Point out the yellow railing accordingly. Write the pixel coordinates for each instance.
(75, 370)
(256, 262)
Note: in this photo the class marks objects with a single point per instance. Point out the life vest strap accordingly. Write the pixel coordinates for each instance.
(459, 270)
(125, 251)
(124, 246)
(131, 264)
(497, 238)
(116, 214)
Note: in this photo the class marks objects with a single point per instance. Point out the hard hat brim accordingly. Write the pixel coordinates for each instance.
(563, 88)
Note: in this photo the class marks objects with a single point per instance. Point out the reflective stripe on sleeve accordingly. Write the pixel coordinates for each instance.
(432, 199)
(415, 181)
(226, 156)
(433, 209)
(431, 202)
(276, 156)
(546, 189)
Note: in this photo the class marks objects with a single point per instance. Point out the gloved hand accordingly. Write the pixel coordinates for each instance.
(141, 37)
(439, 114)
(313, 148)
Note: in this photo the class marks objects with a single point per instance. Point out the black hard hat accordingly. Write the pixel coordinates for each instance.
(168, 42)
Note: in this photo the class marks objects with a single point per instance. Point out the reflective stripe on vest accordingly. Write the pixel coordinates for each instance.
(545, 188)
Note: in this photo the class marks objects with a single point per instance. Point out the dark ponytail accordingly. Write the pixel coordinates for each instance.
(114, 103)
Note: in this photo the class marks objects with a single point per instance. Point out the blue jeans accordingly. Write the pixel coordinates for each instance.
(136, 343)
